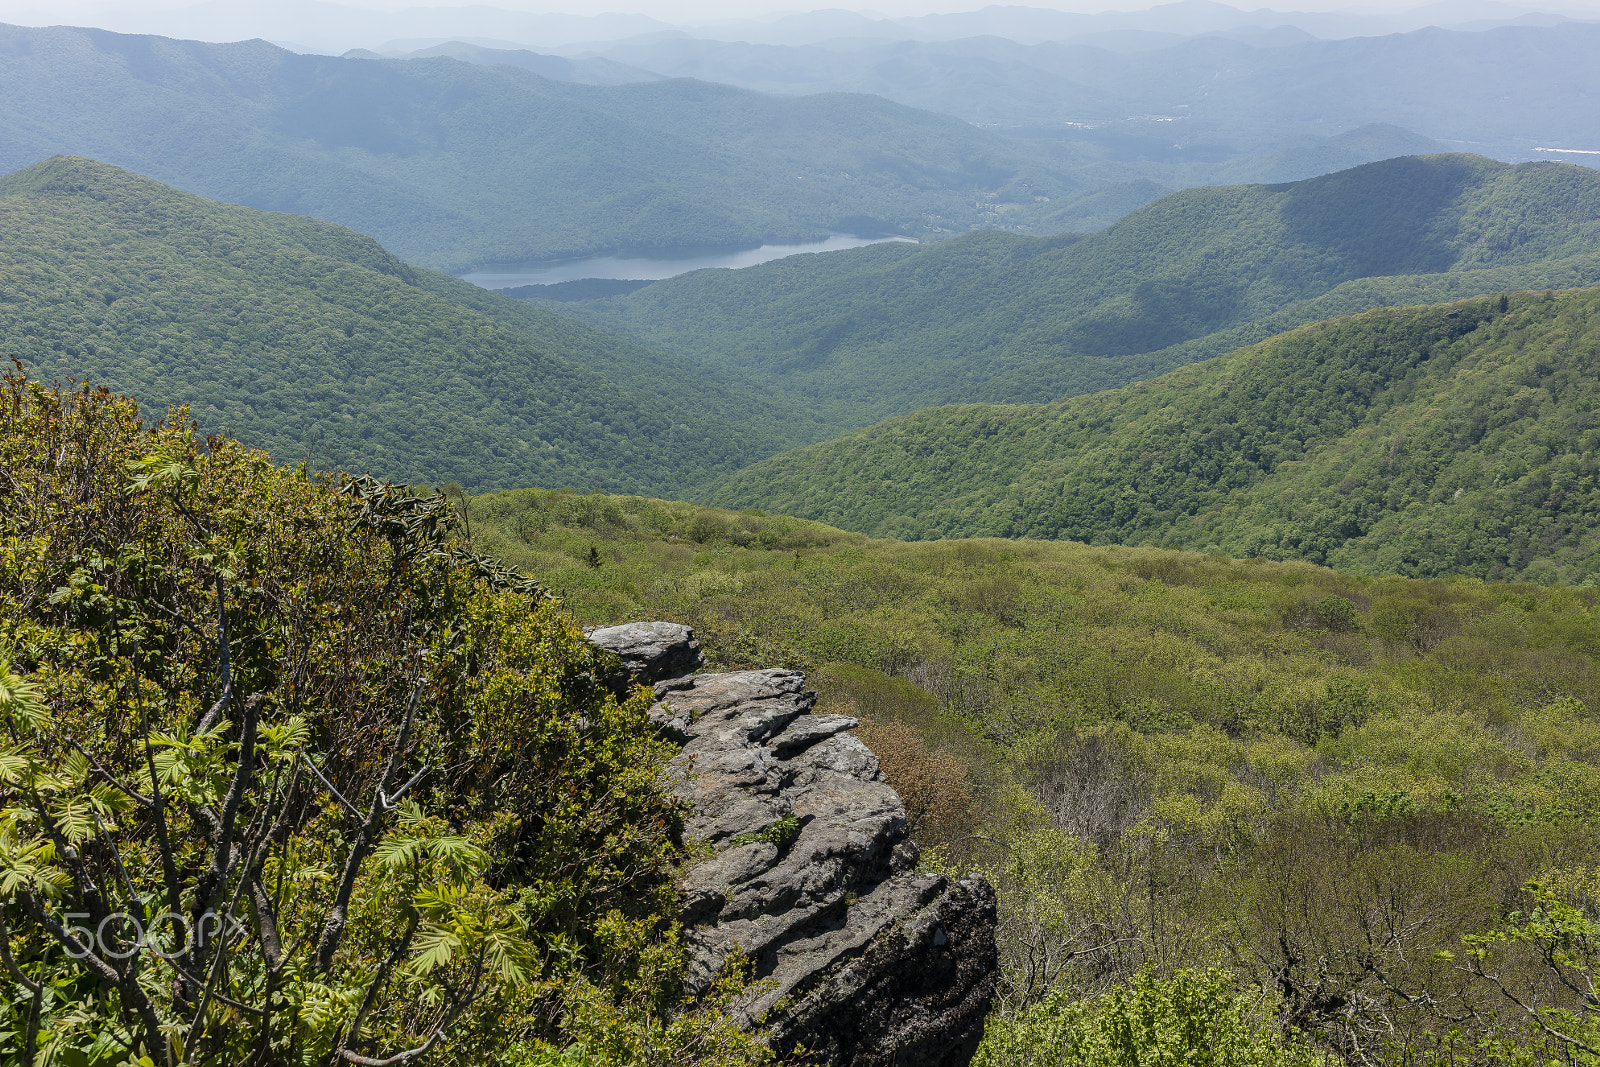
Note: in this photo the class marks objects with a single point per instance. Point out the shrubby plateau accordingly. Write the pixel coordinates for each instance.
(1236, 811)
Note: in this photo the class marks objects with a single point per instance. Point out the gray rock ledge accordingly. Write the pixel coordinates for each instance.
(860, 959)
(650, 651)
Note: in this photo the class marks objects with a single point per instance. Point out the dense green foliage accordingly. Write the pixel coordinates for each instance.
(1189, 1020)
(288, 775)
(452, 165)
(1318, 782)
(1456, 439)
(876, 331)
(305, 338)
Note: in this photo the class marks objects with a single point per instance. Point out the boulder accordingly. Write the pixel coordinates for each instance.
(860, 959)
(650, 651)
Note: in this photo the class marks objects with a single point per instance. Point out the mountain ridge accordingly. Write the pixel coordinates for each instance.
(300, 336)
(1450, 439)
(878, 331)
(452, 165)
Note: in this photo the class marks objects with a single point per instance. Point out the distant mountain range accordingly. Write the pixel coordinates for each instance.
(1450, 439)
(1179, 107)
(467, 155)
(452, 165)
(859, 335)
(1018, 92)
(332, 27)
(1454, 439)
(310, 339)
(1130, 108)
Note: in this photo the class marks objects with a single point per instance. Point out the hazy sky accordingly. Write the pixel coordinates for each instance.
(695, 10)
(318, 24)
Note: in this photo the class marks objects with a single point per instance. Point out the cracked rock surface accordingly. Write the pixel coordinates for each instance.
(860, 958)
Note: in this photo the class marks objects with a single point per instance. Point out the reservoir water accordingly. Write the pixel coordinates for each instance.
(653, 268)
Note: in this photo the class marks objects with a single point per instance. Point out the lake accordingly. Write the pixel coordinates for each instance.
(654, 268)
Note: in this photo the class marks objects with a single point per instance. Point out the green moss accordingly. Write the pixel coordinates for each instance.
(781, 833)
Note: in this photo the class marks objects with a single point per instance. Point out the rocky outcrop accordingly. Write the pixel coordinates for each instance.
(860, 958)
(650, 651)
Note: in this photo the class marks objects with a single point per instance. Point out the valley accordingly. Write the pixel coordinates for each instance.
(862, 334)
(1192, 757)
(1006, 538)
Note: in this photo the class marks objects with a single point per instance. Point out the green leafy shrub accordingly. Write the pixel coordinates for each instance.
(1193, 1019)
(289, 774)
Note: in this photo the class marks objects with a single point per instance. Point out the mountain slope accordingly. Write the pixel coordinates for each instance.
(451, 165)
(876, 331)
(300, 335)
(1452, 439)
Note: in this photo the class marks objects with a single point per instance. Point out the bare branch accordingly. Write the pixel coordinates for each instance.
(1534, 1013)
(213, 883)
(226, 671)
(378, 979)
(392, 802)
(365, 839)
(337, 795)
(128, 987)
(103, 772)
(169, 867)
(30, 1039)
(399, 1057)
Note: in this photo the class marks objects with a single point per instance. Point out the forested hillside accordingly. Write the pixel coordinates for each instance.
(1167, 762)
(877, 331)
(311, 339)
(1458, 439)
(451, 165)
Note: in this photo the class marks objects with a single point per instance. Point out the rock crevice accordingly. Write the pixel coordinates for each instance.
(861, 959)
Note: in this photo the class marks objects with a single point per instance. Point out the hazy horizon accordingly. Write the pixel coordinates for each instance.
(334, 27)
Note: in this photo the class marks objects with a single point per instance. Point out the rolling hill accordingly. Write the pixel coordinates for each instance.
(860, 335)
(451, 165)
(1456, 439)
(299, 335)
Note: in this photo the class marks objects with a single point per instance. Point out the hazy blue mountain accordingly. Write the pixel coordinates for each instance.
(592, 71)
(1182, 18)
(332, 28)
(451, 164)
(1365, 144)
(1201, 100)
